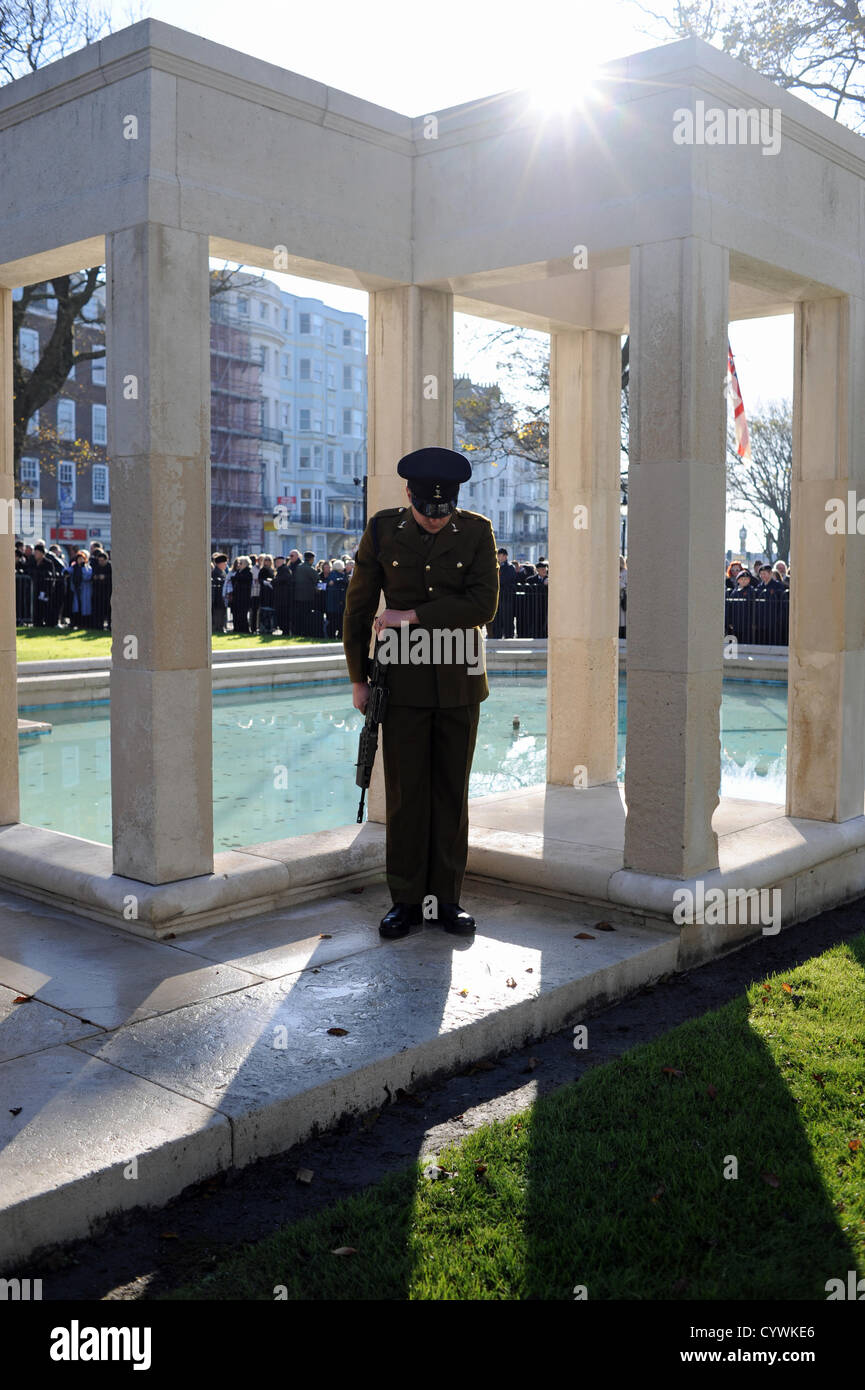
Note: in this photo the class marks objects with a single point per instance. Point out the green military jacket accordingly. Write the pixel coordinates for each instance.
(451, 580)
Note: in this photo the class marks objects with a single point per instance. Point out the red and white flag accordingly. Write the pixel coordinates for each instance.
(743, 443)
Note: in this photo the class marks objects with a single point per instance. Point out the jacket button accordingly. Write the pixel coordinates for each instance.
(459, 564)
(394, 562)
(430, 588)
(429, 567)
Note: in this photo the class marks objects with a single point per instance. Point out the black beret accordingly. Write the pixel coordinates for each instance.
(435, 466)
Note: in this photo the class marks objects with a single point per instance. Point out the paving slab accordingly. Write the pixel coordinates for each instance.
(34, 1026)
(103, 976)
(66, 1155)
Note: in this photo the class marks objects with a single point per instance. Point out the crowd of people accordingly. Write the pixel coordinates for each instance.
(53, 589)
(291, 594)
(297, 596)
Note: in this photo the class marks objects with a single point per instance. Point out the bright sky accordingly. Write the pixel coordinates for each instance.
(419, 58)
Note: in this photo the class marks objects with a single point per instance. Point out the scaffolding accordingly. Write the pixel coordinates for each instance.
(236, 468)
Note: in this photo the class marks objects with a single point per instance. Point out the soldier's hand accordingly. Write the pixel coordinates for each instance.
(360, 694)
(393, 617)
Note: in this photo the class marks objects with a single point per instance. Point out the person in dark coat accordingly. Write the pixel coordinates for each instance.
(47, 586)
(218, 573)
(282, 594)
(503, 622)
(334, 599)
(266, 597)
(241, 594)
(305, 584)
(102, 591)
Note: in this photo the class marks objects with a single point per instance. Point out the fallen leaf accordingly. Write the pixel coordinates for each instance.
(511, 982)
(337, 1032)
(819, 1077)
(16, 1111)
(767, 988)
(855, 1145)
(584, 936)
(344, 1249)
(22, 999)
(711, 1092)
(604, 926)
(325, 936)
(304, 1175)
(672, 1071)
(786, 987)
(530, 970)
(169, 936)
(772, 1179)
(463, 993)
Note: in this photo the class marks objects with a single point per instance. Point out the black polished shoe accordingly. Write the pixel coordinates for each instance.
(454, 919)
(401, 918)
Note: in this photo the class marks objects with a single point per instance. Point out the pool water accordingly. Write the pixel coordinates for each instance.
(284, 758)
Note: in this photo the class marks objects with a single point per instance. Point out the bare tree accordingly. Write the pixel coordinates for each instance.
(813, 47)
(762, 487)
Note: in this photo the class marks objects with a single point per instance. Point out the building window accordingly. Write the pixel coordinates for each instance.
(331, 460)
(65, 419)
(30, 477)
(242, 304)
(264, 358)
(97, 371)
(305, 369)
(503, 521)
(304, 419)
(346, 377)
(66, 477)
(305, 457)
(286, 417)
(262, 309)
(316, 456)
(286, 364)
(100, 485)
(331, 421)
(347, 468)
(305, 323)
(28, 348)
(98, 425)
(331, 376)
(503, 487)
(346, 421)
(346, 337)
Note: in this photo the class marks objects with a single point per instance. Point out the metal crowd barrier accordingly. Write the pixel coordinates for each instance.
(761, 621)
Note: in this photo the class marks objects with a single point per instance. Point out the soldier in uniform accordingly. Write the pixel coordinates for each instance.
(437, 567)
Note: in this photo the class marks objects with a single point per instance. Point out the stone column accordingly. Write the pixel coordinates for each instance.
(676, 507)
(411, 403)
(583, 663)
(158, 358)
(8, 660)
(826, 679)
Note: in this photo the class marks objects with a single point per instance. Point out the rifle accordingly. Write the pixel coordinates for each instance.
(368, 743)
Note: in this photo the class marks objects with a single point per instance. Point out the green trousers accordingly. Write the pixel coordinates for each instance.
(427, 760)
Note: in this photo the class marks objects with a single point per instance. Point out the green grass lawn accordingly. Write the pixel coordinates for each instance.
(54, 644)
(616, 1182)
